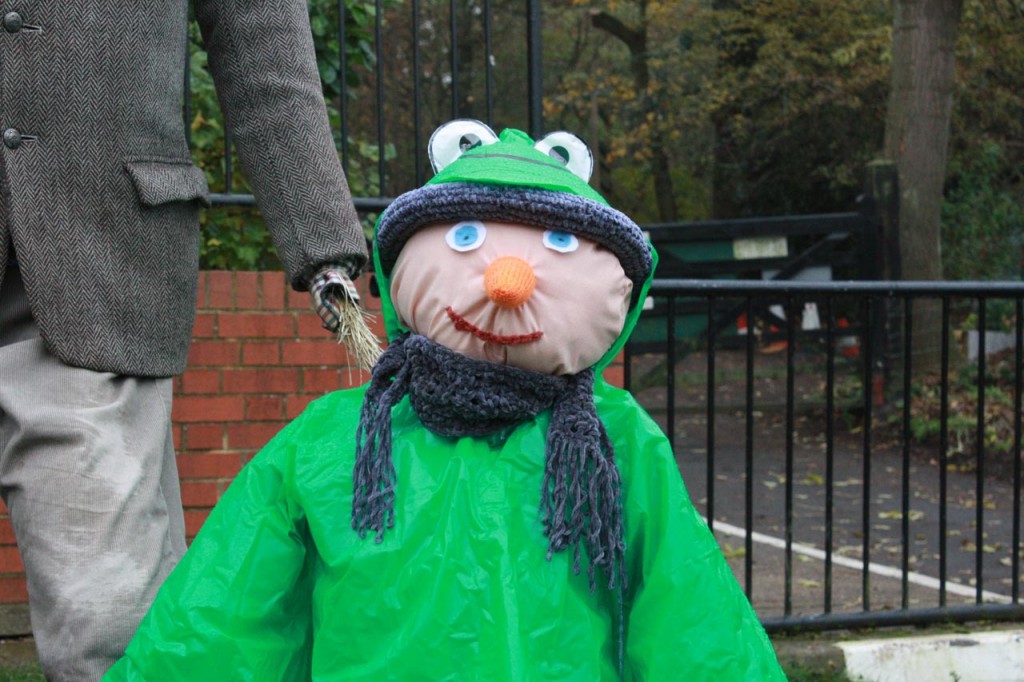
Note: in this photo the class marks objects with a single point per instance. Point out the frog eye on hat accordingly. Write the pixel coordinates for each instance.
(455, 137)
(570, 150)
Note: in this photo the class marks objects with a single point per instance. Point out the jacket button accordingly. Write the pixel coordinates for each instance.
(12, 22)
(12, 138)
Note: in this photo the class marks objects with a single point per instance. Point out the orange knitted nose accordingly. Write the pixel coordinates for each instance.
(509, 281)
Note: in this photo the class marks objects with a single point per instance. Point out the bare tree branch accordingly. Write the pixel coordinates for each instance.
(635, 40)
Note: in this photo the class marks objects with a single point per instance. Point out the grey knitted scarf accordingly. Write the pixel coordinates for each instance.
(455, 396)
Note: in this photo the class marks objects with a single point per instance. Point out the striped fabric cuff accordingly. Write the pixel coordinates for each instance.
(332, 288)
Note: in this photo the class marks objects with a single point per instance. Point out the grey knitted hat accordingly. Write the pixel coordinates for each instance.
(512, 180)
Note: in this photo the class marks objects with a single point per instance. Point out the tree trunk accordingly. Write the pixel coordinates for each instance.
(917, 139)
(635, 40)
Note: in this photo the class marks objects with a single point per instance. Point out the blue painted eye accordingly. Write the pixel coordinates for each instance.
(466, 236)
(563, 242)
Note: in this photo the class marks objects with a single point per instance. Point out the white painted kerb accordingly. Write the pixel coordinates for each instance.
(979, 657)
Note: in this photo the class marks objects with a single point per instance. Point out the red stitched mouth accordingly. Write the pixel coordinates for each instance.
(464, 325)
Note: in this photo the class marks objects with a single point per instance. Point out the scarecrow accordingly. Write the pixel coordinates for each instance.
(486, 507)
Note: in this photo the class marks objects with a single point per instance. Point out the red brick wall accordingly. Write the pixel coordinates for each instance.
(259, 355)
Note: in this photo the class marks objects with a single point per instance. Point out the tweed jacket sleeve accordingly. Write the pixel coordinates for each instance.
(263, 64)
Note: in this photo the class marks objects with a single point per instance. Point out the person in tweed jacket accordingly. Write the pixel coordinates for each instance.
(99, 248)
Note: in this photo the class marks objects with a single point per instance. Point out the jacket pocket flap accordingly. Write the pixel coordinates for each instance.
(159, 182)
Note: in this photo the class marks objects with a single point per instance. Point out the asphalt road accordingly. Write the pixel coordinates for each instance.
(809, 589)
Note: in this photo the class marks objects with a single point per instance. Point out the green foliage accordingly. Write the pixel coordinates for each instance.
(773, 106)
(633, 95)
(323, 19)
(236, 237)
(983, 218)
(798, 103)
(761, 108)
(962, 414)
(983, 212)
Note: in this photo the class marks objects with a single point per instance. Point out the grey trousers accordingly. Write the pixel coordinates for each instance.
(88, 475)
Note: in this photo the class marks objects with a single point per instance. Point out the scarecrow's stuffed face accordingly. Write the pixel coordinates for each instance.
(539, 300)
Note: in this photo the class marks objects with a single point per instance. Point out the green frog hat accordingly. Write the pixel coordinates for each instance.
(507, 284)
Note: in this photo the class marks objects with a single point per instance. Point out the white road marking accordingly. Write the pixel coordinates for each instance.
(847, 562)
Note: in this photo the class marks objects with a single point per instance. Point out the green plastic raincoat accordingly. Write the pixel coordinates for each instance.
(277, 586)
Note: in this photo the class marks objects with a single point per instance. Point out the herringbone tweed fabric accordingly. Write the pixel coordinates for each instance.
(102, 204)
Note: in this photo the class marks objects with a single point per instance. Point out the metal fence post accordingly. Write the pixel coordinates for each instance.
(881, 206)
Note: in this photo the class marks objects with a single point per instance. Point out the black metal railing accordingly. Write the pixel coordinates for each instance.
(815, 459)
(829, 455)
(394, 108)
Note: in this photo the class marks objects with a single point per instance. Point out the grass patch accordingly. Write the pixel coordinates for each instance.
(24, 673)
(799, 672)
